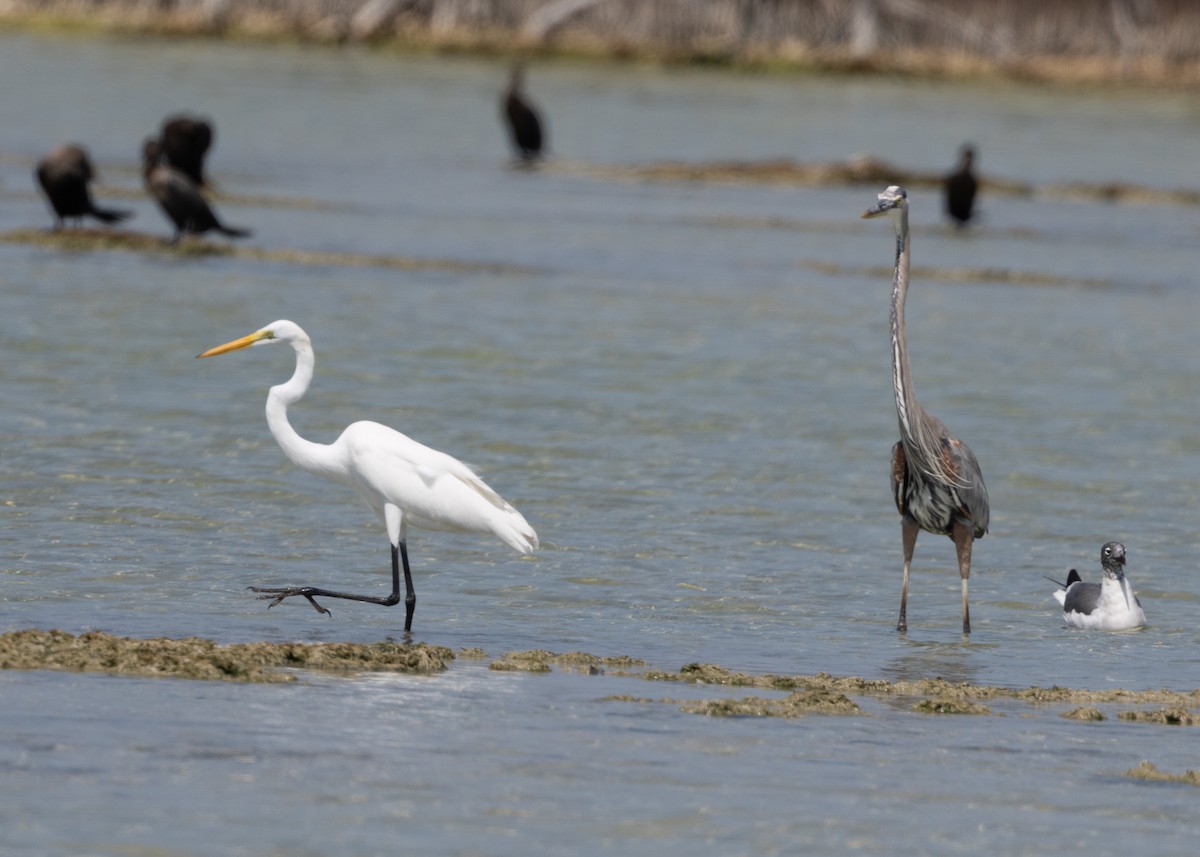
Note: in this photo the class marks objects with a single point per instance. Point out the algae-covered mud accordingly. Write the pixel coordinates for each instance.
(201, 659)
(1149, 771)
(194, 658)
(92, 239)
(870, 171)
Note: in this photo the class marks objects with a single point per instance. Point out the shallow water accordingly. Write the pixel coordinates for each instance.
(684, 387)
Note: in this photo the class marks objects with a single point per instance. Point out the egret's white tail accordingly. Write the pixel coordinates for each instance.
(514, 531)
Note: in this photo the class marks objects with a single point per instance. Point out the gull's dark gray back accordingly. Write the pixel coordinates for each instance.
(1082, 598)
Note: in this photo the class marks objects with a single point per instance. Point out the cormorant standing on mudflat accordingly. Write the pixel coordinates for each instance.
(64, 175)
(180, 197)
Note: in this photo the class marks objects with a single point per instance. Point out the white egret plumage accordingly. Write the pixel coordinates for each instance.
(404, 481)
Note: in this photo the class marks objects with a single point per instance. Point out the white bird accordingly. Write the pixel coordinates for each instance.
(1106, 606)
(405, 482)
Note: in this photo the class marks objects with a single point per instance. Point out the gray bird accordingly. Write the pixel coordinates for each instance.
(936, 481)
(1106, 606)
(64, 176)
(179, 197)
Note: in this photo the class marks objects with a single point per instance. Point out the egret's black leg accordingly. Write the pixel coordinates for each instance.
(410, 601)
(410, 597)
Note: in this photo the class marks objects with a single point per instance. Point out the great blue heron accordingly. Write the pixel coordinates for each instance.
(403, 481)
(64, 175)
(524, 125)
(180, 197)
(1109, 605)
(960, 186)
(936, 481)
(185, 142)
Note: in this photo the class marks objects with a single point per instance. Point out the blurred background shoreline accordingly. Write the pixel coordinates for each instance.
(1080, 42)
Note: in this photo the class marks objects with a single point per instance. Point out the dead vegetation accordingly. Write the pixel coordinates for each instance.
(1093, 41)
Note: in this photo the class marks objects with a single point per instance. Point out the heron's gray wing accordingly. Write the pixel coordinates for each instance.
(1082, 598)
(961, 465)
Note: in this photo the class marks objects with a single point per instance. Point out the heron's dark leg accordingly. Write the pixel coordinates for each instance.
(964, 537)
(908, 535)
(399, 556)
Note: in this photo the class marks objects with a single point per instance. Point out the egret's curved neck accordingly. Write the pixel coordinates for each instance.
(314, 457)
(906, 400)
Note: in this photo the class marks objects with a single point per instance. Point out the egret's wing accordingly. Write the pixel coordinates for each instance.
(432, 488)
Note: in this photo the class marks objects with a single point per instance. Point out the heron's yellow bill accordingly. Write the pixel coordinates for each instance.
(244, 342)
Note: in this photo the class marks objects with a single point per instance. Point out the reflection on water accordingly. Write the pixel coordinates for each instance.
(683, 386)
(955, 662)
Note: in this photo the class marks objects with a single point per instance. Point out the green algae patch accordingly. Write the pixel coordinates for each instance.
(542, 661)
(96, 240)
(797, 704)
(1150, 772)
(89, 240)
(197, 658)
(1165, 716)
(939, 696)
(950, 705)
(870, 171)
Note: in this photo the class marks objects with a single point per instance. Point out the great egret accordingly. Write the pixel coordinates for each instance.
(180, 197)
(185, 142)
(959, 188)
(404, 481)
(1109, 605)
(64, 175)
(524, 125)
(936, 481)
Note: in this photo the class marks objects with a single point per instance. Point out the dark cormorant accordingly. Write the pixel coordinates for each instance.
(179, 197)
(524, 126)
(960, 187)
(185, 142)
(64, 175)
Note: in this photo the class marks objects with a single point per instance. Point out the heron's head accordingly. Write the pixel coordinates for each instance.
(892, 201)
(1112, 558)
(276, 331)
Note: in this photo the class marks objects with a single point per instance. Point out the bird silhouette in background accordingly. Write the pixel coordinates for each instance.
(64, 176)
(185, 142)
(524, 124)
(959, 188)
(936, 481)
(179, 197)
(403, 481)
(1109, 605)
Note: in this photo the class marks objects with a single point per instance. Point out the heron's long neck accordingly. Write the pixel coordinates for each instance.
(311, 456)
(906, 399)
